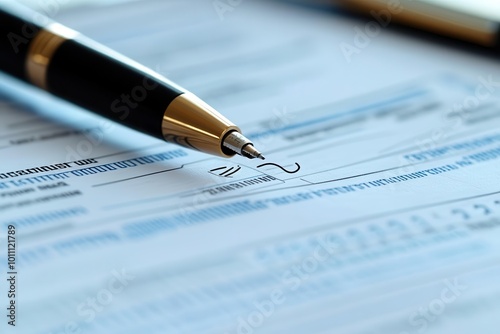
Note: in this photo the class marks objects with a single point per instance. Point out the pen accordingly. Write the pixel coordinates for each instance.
(448, 18)
(68, 65)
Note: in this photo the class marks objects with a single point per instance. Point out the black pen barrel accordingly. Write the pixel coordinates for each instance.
(16, 34)
(83, 72)
(111, 87)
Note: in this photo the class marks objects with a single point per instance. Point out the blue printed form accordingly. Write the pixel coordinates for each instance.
(377, 209)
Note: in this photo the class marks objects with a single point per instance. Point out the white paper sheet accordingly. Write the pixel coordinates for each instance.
(382, 217)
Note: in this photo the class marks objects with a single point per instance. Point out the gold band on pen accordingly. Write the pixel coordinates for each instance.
(190, 122)
(42, 49)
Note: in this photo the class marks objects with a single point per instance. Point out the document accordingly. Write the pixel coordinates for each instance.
(377, 209)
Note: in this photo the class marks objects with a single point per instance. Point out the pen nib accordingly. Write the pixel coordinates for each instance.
(238, 143)
(252, 152)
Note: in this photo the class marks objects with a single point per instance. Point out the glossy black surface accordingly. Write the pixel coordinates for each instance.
(15, 37)
(95, 80)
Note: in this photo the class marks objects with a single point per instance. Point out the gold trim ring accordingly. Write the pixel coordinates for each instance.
(42, 49)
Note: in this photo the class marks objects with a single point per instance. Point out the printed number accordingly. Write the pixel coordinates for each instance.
(422, 223)
(486, 211)
(461, 213)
